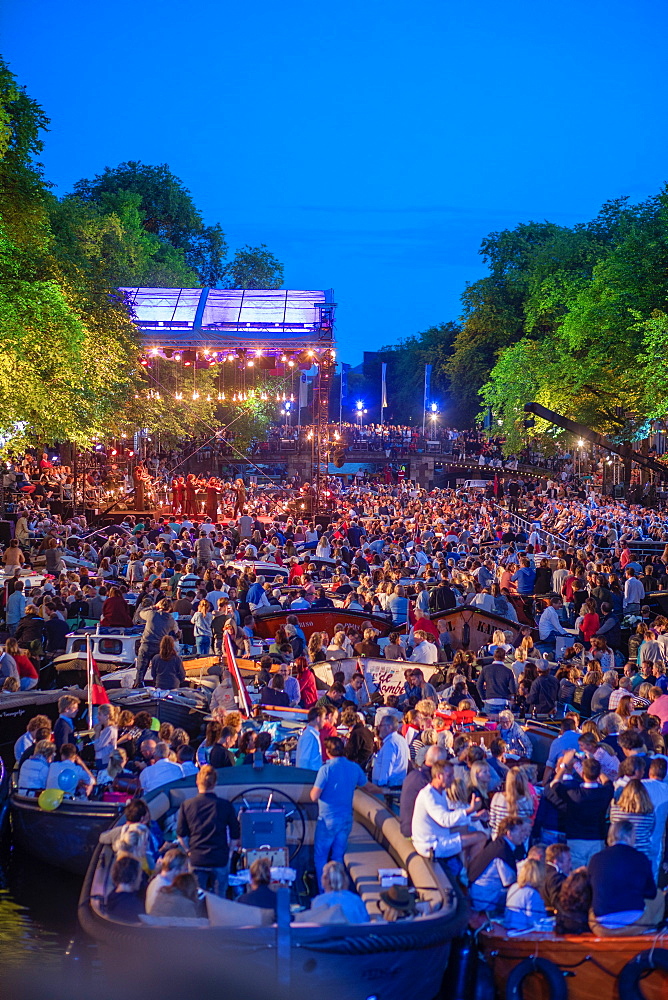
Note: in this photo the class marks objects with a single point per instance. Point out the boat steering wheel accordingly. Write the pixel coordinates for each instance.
(295, 820)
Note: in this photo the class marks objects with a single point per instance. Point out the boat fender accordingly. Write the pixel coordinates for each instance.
(484, 980)
(645, 962)
(466, 636)
(551, 972)
(459, 982)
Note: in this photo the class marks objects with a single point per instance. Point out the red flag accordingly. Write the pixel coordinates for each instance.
(98, 692)
(245, 705)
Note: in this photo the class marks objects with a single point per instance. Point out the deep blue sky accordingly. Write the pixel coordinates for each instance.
(370, 144)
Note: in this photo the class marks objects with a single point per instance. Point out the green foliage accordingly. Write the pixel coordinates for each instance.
(167, 212)
(253, 267)
(405, 372)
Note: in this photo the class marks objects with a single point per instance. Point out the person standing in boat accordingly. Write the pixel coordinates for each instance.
(167, 672)
(159, 622)
(207, 827)
(309, 750)
(333, 790)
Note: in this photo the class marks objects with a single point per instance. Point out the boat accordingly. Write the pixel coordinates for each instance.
(388, 960)
(185, 708)
(16, 711)
(65, 837)
(578, 966)
(113, 649)
(313, 620)
(472, 628)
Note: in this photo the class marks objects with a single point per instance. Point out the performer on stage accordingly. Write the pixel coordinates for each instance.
(191, 494)
(139, 478)
(239, 497)
(212, 494)
(176, 506)
(181, 494)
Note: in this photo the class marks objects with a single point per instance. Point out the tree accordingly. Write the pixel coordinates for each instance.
(253, 267)
(602, 329)
(167, 212)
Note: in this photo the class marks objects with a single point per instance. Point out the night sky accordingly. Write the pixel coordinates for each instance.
(370, 145)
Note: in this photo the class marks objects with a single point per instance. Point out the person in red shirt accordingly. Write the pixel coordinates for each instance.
(426, 625)
(590, 621)
(329, 727)
(28, 675)
(306, 681)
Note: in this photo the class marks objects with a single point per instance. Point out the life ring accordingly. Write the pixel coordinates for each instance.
(646, 961)
(551, 972)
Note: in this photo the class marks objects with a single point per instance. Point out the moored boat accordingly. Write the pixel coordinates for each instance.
(389, 960)
(65, 837)
(544, 966)
(472, 628)
(319, 620)
(16, 711)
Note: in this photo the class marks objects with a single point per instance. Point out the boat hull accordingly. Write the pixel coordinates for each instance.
(592, 964)
(65, 838)
(187, 711)
(390, 961)
(18, 709)
(471, 628)
(320, 620)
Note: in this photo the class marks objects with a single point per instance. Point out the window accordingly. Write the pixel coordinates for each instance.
(110, 647)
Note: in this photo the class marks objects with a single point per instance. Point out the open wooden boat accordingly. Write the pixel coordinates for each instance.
(471, 628)
(67, 836)
(320, 620)
(390, 961)
(590, 964)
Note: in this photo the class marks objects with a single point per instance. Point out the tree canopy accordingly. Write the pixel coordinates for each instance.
(70, 365)
(253, 267)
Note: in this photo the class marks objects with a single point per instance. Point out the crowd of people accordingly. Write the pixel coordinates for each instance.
(397, 553)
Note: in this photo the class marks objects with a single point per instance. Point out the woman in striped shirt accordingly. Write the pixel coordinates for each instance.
(635, 805)
(514, 800)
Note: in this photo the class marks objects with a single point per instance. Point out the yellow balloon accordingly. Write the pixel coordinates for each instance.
(50, 799)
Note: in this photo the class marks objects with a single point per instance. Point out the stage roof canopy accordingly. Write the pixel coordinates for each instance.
(215, 318)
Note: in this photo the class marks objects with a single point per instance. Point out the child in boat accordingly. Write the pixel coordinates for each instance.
(524, 904)
(106, 735)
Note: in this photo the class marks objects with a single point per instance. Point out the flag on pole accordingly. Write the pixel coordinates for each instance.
(303, 390)
(383, 386)
(245, 705)
(99, 694)
(344, 379)
(427, 385)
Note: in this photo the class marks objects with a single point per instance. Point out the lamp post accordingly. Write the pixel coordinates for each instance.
(359, 406)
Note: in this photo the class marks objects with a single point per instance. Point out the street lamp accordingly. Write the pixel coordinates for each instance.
(359, 406)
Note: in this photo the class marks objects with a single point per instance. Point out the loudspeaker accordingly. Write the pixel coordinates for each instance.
(323, 520)
(6, 532)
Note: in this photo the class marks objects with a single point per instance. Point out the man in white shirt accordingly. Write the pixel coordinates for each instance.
(425, 651)
(656, 787)
(161, 772)
(634, 593)
(484, 600)
(434, 819)
(549, 626)
(309, 748)
(390, 765)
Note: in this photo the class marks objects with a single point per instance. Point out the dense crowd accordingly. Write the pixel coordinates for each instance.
(402, 555)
